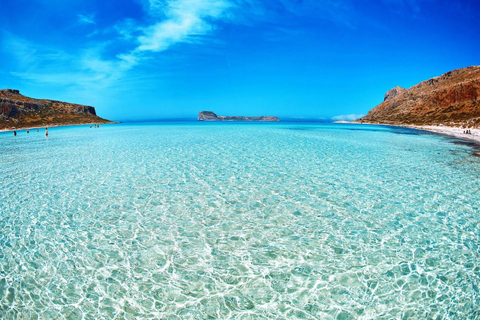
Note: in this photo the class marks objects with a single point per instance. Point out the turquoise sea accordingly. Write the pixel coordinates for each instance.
(238, 221)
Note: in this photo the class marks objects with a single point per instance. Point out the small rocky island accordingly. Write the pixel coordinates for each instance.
(18, 111)
(452, 99)
(211, 116)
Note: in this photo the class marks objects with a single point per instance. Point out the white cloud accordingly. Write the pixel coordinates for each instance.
(170, 22)
(182, 21)
(348, 117)
(185, 19)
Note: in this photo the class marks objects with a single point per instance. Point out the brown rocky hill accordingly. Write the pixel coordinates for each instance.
(19, 111)
(452, 99)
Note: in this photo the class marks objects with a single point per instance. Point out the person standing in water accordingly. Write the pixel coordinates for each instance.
(46, 132)
(14, 133)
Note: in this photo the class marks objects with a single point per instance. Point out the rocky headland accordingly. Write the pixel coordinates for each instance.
(449, 100)
(211, 116)
(18, 111)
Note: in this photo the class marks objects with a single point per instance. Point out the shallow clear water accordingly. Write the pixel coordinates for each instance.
(240, 221)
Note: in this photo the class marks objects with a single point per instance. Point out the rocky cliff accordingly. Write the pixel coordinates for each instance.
(210, 116)
(452, 99)
(19, 111)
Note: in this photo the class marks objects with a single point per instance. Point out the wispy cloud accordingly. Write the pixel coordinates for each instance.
(177, 21)
(188, 21)
(20, 50)
(86, 19)
(50, 65)
(348, 117)
(335, 11)
(185, 21)
(407, 6)
(128, 29)
(170, 22)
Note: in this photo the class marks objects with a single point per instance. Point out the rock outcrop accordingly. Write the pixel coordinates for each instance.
(211, 116)
(452, 99)
(394, 92)
(19, 111)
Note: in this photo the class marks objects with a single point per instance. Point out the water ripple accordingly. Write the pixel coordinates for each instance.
(238, 221)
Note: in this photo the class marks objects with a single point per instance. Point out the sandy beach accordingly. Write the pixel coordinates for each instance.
(452, 131)
(457, 132)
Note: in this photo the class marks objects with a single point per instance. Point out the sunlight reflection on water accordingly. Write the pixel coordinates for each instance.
(244, 221)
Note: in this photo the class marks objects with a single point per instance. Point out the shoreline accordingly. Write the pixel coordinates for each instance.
(55, 125)
(456, 132)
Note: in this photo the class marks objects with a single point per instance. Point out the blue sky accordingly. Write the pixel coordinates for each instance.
(153, 59)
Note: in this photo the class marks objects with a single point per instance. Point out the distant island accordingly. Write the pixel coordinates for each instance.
(18, 111)
(452, 99)
(211, 116)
